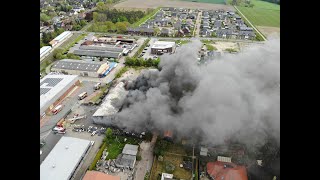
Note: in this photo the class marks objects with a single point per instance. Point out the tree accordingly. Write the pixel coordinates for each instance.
(121, 27)
(101, 7)
(109, 1)
(110, 26)
(156, 31)
(99, 17)
(109, 133)
(44, 17)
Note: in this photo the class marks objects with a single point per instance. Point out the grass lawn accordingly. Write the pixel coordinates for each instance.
(207, 41)
(142, 20)
(176, 160)
(210, 47)
(115, 145)
(262, 13)
(181, 42)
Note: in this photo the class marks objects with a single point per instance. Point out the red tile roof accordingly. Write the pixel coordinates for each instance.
(218, 171)
(95, 175)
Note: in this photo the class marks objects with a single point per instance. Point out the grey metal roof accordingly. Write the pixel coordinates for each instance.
(97, 53)
(130, 149)
(63, 159)
(71, 64)
(101, 48)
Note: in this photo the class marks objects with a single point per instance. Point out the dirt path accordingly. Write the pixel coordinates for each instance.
(269, 32)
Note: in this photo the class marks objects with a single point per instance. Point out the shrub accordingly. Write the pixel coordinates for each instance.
(98, 156)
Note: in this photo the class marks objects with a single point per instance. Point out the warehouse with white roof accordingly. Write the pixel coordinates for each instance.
(161, 47)
(53, 88)
(111, 104)
(62, 37)
(81, 68)
(64, 159)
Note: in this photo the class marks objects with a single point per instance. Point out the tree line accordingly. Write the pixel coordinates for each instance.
(131, 61)
(49, 36)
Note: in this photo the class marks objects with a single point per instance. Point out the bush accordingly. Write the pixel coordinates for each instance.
(169, 167)
(139, 158)
(98, 156)
(123, 70)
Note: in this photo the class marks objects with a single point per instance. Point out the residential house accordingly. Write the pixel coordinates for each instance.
(165, 32)
(224, 33)
(205, 32)
(177, 25)
(186, 30)
(141, 31)
(247, 35)
(216, 25)
(180, 33)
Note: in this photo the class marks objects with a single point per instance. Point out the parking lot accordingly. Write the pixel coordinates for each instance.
(147, 53)
(70, 103)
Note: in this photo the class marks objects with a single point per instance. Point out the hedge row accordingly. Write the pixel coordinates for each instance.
(98, 156)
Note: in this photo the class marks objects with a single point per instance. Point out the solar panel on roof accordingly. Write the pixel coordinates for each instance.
(51, 81)
(44, 90)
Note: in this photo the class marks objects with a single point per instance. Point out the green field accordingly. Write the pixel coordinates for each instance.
(262, 13)
(208, 1)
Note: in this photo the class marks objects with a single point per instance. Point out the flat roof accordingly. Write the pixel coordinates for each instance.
(130, 149)
(163, 44)
(44, 49)
(62, 36)
(63, 158)
(74, 64)
(96, 175)
(53, 86)
(98, 53)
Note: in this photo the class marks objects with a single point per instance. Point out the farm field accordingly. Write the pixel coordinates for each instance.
(262, 13)
(208, 1)
(145, 4)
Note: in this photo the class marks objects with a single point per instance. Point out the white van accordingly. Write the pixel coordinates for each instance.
(82, 95)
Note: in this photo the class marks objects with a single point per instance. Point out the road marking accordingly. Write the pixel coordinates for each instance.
(250, 23)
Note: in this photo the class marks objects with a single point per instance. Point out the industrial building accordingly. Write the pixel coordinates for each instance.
(53, 88)
(96, 175)
(161, 47)
(44, 51)
(64, 159)
(62, 37)
(101, 47)
(127, 158)
(111, 105)
(81, 68)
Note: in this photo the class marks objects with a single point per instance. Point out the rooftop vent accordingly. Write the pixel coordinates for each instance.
(67, 147)
(53, 166)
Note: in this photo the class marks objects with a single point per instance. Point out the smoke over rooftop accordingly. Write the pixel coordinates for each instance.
(236, 96)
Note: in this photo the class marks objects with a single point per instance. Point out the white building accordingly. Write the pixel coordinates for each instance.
(53, 88)
(160, 47)
(107, 110)
(166, 176)
(44, 51)
(62, 37)
(81, 68)
(224, 159)
(64, 159)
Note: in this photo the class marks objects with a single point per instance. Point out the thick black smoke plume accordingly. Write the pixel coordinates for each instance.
(236, 96)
